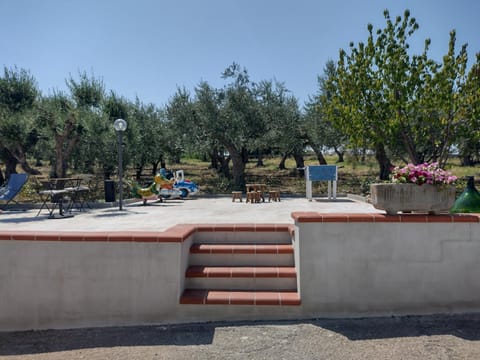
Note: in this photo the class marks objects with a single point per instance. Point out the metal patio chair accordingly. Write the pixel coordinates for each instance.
(9, 191)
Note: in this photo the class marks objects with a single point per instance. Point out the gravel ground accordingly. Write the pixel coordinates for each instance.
(413, 337)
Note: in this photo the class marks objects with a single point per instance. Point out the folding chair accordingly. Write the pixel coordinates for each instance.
(12, 188)
(79, 189)
(52, 195)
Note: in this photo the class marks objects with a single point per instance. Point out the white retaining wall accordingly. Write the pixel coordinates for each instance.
(344, 268)
(375, 268)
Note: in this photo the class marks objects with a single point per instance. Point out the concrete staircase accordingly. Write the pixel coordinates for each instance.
(242, 268)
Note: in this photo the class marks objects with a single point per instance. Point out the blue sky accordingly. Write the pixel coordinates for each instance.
(148, 48)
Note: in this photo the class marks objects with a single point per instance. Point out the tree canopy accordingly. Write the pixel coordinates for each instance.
(377, 96)
(401, 105)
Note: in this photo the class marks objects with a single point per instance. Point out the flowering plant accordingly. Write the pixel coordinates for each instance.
(422, 174)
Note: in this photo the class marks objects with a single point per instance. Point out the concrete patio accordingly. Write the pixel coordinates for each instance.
(157, 216)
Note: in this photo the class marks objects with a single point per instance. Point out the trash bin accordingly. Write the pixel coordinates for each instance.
(109, 186)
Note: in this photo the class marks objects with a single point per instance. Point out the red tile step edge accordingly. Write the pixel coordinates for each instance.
(226, 297)
(197, 271)
(241, 249)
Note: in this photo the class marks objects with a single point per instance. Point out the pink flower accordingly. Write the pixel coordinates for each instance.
(422, 174)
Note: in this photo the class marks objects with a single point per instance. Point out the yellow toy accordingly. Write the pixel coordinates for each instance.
(160, 188)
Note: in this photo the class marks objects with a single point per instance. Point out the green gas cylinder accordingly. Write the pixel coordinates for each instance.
(469, 200)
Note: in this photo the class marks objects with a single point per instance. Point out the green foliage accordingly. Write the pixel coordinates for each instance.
(148, 140)
(18, 90)
(469, 129)
(402, 105)
(282, 130)
(116, 107)
(18, 134)
(87, 91)
(320, 131)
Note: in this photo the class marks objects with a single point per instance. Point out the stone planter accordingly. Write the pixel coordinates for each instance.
(411, 197)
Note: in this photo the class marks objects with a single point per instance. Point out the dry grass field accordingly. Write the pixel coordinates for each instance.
(354, 177)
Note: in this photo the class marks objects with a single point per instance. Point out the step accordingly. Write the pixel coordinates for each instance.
(241, 249)
(239, 283)
(242, 254)
(241, 278)
(241, 271)
(236, 237)
(227, 297)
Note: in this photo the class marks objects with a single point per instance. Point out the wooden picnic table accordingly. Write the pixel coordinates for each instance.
(256, 187)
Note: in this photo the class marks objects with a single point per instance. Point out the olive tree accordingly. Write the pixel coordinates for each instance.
(317, 126)
(65, 118)
(18, 130)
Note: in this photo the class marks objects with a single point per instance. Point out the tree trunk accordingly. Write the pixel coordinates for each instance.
(59, 169)
(64, 145)
(259, 160)
(28, 169)
(214, 158)
(339, 154)
(299, 162)
(155, 167)
(10, 164)
(281, 165)
(409, 148)
(138, 172)
(244, 154)
(224, 166)
(467, 160)
(383, 161)
(238, 168)
(21, 158)
(321, 159)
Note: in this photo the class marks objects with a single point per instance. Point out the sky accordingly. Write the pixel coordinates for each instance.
(150, 48)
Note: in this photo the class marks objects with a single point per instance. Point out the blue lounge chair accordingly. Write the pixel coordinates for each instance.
(12, 188)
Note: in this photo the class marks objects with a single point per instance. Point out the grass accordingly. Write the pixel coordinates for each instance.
(354, 177)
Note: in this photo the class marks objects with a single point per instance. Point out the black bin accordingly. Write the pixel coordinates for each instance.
(109, 186)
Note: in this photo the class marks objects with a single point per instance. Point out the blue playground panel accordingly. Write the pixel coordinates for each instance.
(322, 173)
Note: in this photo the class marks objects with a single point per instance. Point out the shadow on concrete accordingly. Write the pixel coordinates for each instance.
(45, 341)
(133, 209)
(337, 200)
(466, 327)
(25, 218)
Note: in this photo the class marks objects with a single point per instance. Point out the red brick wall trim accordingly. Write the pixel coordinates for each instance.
(244, 227)
(314, 217)
(175, 234)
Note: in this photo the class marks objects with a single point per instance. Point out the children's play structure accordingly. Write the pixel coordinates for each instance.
(186, 187)
(162, 188)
